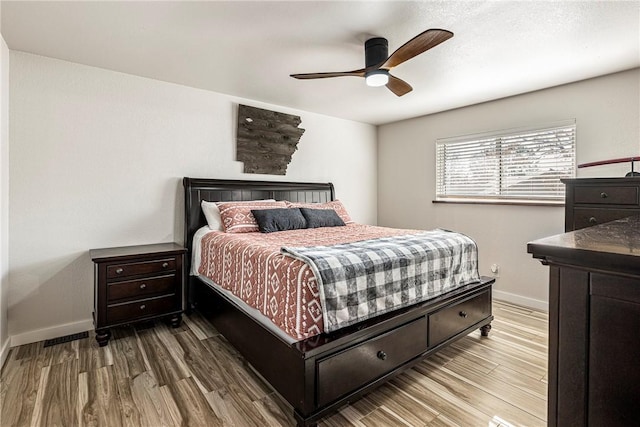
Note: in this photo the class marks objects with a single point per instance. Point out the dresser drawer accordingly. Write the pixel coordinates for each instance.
(606, 195)
(341, 373)
(611, 286)
(141, 288)
(135, 310)
(587, 217)
(138, 268)
(456, 318)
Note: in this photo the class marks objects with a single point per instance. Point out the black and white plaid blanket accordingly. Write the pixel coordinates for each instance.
(361, 280)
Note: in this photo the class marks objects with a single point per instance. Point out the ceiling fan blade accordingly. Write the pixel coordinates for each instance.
(417, 45)
(398, 86)
(356, 73)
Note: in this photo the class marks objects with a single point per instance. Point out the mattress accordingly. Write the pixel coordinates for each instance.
(252, 268)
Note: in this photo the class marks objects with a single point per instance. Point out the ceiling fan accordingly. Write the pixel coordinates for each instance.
(378, 63)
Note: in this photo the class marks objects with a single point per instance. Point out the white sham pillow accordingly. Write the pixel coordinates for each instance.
(212, 212)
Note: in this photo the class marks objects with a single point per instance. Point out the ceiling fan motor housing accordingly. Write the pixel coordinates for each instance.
(376, 50)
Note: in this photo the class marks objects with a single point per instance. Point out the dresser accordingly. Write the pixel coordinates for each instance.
(136, 283)
(593, 201)
(594, 319)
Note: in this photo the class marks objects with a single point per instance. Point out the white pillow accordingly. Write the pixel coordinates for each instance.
(212, 213)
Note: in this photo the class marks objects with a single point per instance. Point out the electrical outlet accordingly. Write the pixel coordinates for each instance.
(495, 270)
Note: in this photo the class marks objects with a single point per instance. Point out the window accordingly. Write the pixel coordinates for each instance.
(519, 165)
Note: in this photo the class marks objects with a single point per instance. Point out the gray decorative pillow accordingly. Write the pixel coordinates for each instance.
(321, 218)
(271, 220)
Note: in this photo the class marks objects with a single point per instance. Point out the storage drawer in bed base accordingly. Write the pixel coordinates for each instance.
(457, 317)
(350, 369)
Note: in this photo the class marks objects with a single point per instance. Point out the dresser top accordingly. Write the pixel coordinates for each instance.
(590, 181)
(613, 245)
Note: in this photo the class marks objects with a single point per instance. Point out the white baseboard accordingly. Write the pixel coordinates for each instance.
(520, 300)
(4, 352)
(52, 332)
(87, 325)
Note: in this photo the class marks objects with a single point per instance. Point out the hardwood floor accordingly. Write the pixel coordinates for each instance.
(190, 376)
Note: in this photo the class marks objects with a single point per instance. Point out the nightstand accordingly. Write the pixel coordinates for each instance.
(135, 283)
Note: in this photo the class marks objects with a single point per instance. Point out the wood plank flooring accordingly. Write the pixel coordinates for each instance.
(153, 375)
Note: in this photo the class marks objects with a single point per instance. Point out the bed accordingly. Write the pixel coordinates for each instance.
(318, 374)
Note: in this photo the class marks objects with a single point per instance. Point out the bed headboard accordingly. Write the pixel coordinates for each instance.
(220, 190)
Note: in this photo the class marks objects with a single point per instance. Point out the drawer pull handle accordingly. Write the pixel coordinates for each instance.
(142, 307)
(143, 286)
(119, 271)
(463, 314)
(165, 264)
(382, 355)
(604, 195)
(593, 220)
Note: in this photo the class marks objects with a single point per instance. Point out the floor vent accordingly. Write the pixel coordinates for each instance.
(66, 338)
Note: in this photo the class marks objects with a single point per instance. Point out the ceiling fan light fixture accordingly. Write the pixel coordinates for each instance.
(378, 62)
(377, 78)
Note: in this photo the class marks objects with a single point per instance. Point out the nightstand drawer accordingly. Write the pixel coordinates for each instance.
(129, 312)
(141, 288)
(458, 317)
(609, 195)
(138, 268)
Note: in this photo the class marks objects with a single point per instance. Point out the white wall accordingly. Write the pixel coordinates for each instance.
(97, 159)
(607, 115)
(4, 197)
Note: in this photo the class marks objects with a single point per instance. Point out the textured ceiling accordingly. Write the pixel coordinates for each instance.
(248, 49)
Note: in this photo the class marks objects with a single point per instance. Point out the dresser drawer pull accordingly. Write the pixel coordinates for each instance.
(165, 264)
(143, 286)
(603, 195)
(142, 307)
(382, 355)
(463, 314)
(593, 220)
(119, 271)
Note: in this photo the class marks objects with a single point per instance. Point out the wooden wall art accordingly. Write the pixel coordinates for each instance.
(266, 140)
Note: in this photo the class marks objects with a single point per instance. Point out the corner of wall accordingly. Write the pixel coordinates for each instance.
(4, 198)
(4, 352)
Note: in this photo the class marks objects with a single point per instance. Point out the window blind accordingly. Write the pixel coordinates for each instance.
(521, 164)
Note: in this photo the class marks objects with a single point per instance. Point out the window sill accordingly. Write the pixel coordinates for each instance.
(501, 202)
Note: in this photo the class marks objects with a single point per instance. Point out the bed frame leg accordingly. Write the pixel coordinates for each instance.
(176, 320)
(301, 422)
(484, 331)
(102, 336)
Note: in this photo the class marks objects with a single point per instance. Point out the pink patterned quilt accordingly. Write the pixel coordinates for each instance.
(284, 289)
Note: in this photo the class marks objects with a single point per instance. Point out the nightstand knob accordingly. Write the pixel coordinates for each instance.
(603, 195)
(143, 286)
(165, 264)
(381, 355)
(142, 307)
(463, 314)
(593, 220)
(119, 271)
